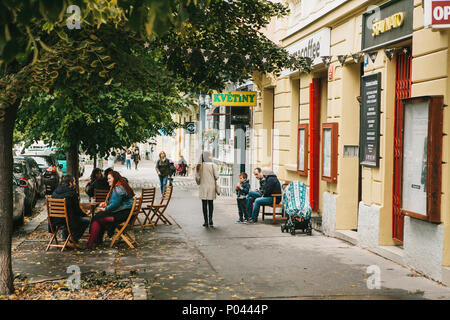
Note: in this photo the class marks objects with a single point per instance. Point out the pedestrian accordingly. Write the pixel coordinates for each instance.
(123, 156)
(78, 220)
(254, 194)
(163, 170)
(111, 159)
(128, 158)
(272, 186)
(113, 211)
(242, 190)
(136, 158)
(183, 163)
(206, 177)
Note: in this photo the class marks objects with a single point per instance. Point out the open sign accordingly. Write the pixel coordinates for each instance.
(437, 13)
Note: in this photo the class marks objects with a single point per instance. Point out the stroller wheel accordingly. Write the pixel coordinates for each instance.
(282, 229)
(293, 231)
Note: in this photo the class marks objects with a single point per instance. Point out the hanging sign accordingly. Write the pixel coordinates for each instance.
(389, 23)
(370, 120)
(437, 14)
(234, 98)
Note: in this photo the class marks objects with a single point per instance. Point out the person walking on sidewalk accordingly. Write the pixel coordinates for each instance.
(242, 190)
(136, 158)
(163, 170)
(206, 177)
(128, 157)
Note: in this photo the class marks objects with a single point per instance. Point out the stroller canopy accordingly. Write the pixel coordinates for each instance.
(295, 201)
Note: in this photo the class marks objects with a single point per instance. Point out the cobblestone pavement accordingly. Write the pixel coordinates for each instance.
(231, 261)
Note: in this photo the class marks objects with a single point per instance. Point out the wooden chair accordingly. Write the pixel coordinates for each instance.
(159, 209)
(121, 231)
(148, 198)
(56, 208)
(100, 195)
(276, 205)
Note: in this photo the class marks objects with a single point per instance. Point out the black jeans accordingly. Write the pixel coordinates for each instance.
(242, 207)
(208, 204)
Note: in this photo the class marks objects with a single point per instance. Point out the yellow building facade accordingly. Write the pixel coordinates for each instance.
(359, 206)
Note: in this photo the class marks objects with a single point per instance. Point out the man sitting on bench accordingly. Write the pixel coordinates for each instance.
(272, 186)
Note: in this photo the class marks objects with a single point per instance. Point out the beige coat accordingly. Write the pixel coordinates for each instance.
(208, 176)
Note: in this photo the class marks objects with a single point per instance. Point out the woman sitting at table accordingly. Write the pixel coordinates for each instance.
(112, 212)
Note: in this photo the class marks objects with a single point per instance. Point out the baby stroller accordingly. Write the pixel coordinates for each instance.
(298, 209)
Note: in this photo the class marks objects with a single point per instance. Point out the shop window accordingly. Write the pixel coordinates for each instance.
(302, 156)
(329, 151)
(422, 158)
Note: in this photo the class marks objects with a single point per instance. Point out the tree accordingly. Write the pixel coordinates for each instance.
(227, 28)
(104, 93)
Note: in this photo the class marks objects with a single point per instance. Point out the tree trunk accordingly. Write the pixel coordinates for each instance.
(73, 161)
(6, 200)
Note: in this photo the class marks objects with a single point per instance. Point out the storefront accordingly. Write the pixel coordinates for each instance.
(363, 132)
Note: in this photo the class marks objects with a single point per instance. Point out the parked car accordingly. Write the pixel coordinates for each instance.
(19, 200)
(51, 169)
(22, 173)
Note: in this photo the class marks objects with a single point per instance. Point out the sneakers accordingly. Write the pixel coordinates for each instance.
(240, 221)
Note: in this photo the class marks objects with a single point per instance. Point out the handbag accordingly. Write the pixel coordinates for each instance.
(218, 190)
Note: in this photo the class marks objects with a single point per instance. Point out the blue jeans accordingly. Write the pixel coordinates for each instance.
(258, 203)
(251, 197)
(163, 182)
(128, 163)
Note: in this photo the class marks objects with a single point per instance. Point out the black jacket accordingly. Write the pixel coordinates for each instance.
(272, 186)
(99, 184)
(74, 211)
(262, 182)
(243, 192)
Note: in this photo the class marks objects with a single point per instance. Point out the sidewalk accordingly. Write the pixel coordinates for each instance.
(230, 261)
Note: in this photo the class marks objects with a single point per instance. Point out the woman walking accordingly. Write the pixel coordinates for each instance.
(136, 158)
(163, 170)
(206, 176)
(128, 157)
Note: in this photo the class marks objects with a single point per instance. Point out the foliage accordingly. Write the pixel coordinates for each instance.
(100, 90)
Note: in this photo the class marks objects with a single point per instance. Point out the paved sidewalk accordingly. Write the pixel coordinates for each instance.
(230, 261)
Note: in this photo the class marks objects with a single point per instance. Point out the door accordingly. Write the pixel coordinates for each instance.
(402, 90)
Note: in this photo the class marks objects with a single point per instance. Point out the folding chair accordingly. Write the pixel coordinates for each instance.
(100, 195)
(56, 208)
(148, 198)
(123, 228)
(159, 209)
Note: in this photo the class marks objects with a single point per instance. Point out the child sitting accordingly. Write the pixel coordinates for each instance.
(242, 190)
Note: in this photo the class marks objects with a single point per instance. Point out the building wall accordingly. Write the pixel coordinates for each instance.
(426, 245)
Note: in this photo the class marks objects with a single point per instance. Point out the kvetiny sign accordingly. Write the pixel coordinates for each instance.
(234, 98)
(437, 14)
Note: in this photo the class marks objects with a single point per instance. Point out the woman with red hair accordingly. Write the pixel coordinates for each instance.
(113, 211)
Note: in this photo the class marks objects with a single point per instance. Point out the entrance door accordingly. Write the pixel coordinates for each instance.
(402, 90)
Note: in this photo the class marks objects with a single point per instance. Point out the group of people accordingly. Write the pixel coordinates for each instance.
(248, 201)
(128, 155)
(110, 213)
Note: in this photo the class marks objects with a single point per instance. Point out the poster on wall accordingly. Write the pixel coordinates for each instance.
(370, 120)
(327, 152)
(301, 149)
(415, 137)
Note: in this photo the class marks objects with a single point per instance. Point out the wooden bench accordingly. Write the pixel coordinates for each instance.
(276, 205)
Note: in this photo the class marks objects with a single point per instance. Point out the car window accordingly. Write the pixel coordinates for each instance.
(18, 167)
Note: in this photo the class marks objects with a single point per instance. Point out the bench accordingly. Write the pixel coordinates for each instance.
(276, 205)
